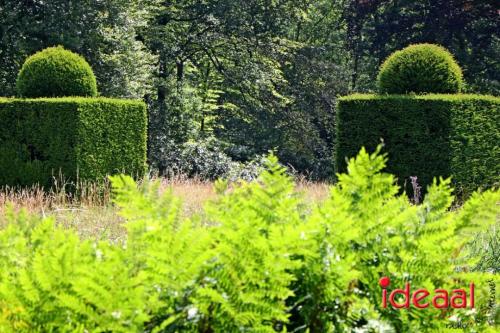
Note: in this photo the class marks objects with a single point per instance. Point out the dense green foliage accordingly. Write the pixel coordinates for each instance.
(260, 262)
(224, 82)
(86, 138)
(426, 136)
(104, 32)
(216, 80)
(420, 68)
(254, 74)
(468, 29)
(56, 72)
(206, 159)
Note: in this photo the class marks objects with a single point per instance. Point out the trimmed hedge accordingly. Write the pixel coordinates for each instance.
(420, 68)
(87, 138)
(425, 136)
(56, 72)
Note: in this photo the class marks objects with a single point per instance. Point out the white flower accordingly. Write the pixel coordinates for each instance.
(192, 312)
(209, 279)
(471, 312)
(116, 314)
(98, 254)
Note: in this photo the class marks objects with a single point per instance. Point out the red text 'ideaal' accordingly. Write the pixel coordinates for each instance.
(422, 298)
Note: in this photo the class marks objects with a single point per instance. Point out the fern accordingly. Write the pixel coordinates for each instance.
(257, 260)
(246, 281)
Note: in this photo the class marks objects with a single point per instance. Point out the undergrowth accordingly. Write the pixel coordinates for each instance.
(258, 261)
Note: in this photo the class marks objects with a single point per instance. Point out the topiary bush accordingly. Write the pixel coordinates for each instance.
(420, 68)
(81, 138)
(426, 136)
(56, 72)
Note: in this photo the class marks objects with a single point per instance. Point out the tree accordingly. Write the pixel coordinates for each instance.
(238, 70)
(468, 28)
(256, 75)
(104, 32)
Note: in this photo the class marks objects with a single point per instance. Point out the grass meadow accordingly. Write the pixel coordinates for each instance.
(91, 212)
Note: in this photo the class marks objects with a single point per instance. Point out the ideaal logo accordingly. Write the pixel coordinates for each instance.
(441, 299)
(422, 298)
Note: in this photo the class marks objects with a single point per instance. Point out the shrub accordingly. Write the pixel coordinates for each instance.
(77, 137)
(420, 68)
(425, 136)
(205, 159)
(261, 262)
(56, 72)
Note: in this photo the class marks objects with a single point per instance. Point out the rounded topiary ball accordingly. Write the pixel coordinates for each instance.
(56, 72)
(420, 68)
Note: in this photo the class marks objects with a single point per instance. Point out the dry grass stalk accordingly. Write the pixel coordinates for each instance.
(89, 208)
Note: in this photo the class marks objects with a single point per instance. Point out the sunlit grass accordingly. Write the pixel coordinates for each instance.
(89, 209)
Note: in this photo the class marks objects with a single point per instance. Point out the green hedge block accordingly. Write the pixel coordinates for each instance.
(78, 138)
(425, 136)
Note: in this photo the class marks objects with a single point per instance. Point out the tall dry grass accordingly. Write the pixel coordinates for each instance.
(90, 211)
